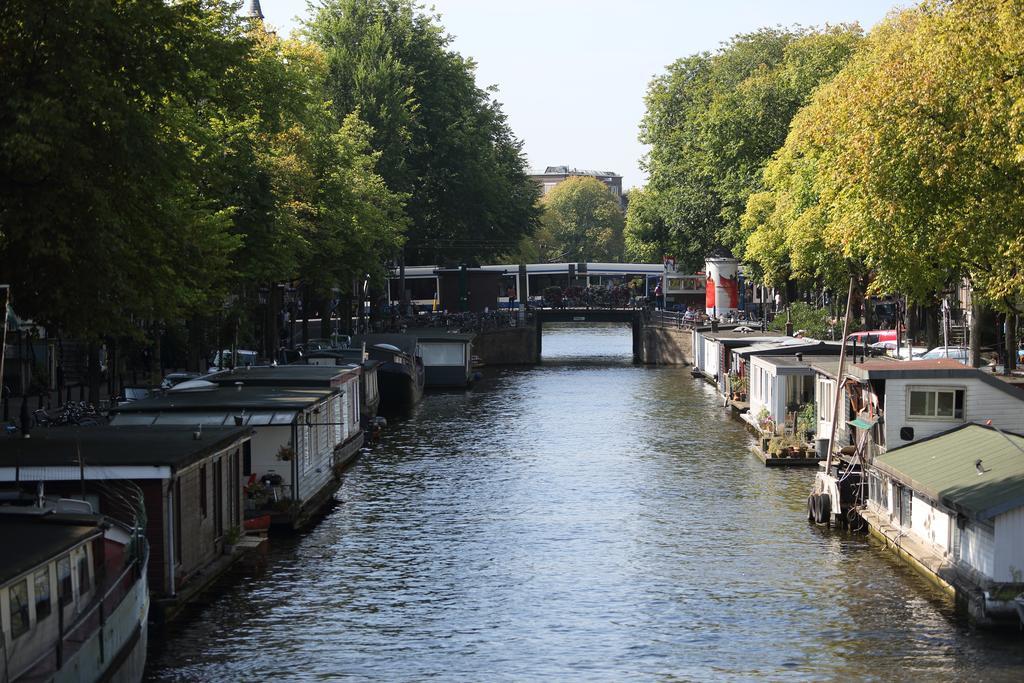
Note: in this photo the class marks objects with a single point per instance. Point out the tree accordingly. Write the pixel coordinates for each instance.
(911, 155)
(443, 141)
(100, 220)
(714, 120)
(584, 221)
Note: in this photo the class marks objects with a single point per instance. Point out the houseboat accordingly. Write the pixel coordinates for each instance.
(400, 375)
(447, 360)
(885, 403)
(302, 439)
(185, 480)
(712, 350)
(369, 402)
(73, 592)
(952, 505)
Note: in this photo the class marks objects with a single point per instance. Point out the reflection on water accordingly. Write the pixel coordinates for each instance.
(579, 520)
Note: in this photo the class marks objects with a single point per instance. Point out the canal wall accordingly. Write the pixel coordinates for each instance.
(512, 346)
(664, 346)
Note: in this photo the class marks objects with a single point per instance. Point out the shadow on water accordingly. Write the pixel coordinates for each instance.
(585, 519)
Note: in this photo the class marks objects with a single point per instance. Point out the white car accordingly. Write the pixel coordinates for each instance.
(957, 353)
(905, 352)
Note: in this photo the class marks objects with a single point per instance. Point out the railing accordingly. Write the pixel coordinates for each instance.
(671, 319)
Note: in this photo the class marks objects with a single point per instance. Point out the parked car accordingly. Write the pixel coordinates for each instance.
(173, 378)
(221, 360)
(905, 352)
(957, 353)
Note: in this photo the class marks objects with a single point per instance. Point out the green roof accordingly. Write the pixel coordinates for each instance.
(945, 468)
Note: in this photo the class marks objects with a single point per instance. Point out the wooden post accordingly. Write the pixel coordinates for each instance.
(839, 381)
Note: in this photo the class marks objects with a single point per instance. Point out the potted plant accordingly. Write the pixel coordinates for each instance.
(807, 420)
(775, 447)
(286, 453)
(231, 537)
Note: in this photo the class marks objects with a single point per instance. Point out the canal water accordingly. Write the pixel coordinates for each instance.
(587, 519)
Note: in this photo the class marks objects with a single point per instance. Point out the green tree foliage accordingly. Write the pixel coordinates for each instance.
(443, 141)
(583, 222)
(713, 121)
(100, 218)
(910, 159)
(155, 157)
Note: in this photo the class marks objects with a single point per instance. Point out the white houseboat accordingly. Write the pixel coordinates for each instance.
(953, 506)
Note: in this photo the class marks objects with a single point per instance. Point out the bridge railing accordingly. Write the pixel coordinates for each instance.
(672, 319)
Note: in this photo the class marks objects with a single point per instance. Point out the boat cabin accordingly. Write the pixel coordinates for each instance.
(447, 359)
(712, 350)
(73, 601)
(743, 356)
(368, 381)
(302, 437)
(900, 402)
(778, 387)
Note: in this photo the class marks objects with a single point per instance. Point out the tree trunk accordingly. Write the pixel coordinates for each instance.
(975, 333)
(911, 323)
(931, 325)
(1011, 342)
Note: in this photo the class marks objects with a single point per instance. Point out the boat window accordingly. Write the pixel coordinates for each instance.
(936, 403)
(42, 590)
(209, 419)
(64, 595)
(18, 608)
(445, 353)
(282, 418)
(259, 418)
(84, 584)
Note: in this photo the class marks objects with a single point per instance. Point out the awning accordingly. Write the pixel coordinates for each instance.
(861, 423)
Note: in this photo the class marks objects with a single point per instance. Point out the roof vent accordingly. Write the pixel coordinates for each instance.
(238, 386)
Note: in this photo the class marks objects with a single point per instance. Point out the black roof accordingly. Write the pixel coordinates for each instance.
(117, 446)
(290, 375)
(218, 397)
(33, 540)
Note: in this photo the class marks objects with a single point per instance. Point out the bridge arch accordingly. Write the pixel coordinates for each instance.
(631, 316)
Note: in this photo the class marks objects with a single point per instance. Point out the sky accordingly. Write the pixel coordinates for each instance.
(572, 74)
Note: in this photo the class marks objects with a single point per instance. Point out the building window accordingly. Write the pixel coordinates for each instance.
(42, 588)
(247, 458)
(18, 608)
(936, 403)
(64, 595)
